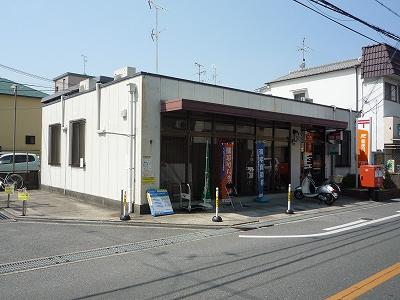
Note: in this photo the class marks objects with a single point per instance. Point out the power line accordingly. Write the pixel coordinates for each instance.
(25, 73)
(388, 8)
(338, 10)
(347, 27)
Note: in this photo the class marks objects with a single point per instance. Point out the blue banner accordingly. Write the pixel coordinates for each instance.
(260, 169)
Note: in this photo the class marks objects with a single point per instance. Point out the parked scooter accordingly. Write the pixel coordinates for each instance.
(326, 192)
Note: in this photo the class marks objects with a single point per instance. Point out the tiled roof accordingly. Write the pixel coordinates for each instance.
(22, 90)
(380, 60)
(341, 65)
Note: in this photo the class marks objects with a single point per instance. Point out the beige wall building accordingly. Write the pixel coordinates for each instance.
(28, 118)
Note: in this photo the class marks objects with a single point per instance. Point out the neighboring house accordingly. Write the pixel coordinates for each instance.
(28, 133)
(141, 130)
(369, 84)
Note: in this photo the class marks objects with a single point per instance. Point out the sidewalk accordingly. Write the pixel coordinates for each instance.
(47, 206)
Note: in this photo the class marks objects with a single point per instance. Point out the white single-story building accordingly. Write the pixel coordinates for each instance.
(140, 130)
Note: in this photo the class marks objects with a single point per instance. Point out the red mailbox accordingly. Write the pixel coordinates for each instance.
(371, 176)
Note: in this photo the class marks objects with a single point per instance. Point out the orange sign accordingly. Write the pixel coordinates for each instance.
(362, 150)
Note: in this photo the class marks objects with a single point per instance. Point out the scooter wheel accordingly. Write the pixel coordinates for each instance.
(329, 199)
(298, 194)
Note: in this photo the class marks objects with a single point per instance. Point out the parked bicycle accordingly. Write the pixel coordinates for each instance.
(12, 179)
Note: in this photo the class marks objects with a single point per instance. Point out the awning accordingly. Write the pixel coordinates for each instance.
(207, 107)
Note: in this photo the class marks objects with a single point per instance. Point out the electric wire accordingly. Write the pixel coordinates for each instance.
(347, 27)
(337, 9)
(25, 73)
(388, 8)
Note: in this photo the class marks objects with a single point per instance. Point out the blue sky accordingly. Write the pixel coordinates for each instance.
(249, 42)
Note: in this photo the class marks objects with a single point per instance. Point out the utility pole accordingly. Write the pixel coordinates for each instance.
(155, 34)
(303, 49)
(84, 57)
(15, 88)
(199, 73)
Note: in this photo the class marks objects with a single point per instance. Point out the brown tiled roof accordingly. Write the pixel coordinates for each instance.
(380, 60)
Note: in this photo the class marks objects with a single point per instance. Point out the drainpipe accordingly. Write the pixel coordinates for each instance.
(132, 144)
(64, 130)
(356, 129)
(332, 160)
(98, 92)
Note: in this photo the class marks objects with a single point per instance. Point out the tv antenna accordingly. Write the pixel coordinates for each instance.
(155, 34)
(303, 49)
(200, 72)
(214, 74)
(84, 58)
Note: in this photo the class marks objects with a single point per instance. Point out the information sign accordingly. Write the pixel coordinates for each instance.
(159, 202)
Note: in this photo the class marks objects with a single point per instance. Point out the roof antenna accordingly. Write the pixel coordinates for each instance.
(84, 57)
(200, 72)
(303, 49)
(155, 34)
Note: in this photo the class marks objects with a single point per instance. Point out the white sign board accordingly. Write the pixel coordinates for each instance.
(159, 202)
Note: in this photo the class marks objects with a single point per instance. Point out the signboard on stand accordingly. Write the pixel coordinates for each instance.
(159, 202)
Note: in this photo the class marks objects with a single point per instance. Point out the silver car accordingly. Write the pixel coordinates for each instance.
(23, 162)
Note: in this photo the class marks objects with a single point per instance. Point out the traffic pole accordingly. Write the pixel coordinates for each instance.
(124, 215)
(289, 202)
(216, 218)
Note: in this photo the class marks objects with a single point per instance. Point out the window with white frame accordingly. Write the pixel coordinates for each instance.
(77, 143)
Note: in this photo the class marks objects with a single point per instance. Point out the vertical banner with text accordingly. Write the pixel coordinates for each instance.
(227, 167)
(260, 169)
(363, 140)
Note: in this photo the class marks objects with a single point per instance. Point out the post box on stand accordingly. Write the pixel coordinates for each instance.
(371, 176)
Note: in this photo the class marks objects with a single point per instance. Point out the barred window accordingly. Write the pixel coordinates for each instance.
(54, 144)
(77, 143)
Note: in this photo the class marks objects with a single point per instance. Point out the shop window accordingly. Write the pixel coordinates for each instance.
(282, 134)
(245, 129)
(390, 92)
(177, 124)
(224, 126)
(54, 144)
(343, 160)
(265, 132)
(30, 140)
(200, 125)
(77, 143)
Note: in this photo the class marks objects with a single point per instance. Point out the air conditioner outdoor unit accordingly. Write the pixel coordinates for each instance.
(124, 72)
(309, 100)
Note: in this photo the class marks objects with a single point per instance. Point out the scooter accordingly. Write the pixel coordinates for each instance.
(326, 192)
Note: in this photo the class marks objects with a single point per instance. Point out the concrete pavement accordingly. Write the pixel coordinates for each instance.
(47, 206)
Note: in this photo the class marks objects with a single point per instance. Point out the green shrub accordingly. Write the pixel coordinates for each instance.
(349, 181)
(388, 182)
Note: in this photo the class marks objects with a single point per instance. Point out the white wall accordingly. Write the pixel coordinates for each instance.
(106, 155)
(332, 88)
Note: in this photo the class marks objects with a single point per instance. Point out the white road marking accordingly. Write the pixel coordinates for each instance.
(345, 225)
(322, 233)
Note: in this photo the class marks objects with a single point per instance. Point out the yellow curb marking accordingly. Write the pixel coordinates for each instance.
(367, 284)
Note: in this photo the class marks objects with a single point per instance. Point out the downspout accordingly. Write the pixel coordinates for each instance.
(332, 159)
(132, 144)
(356, 129)
(98, 92)
(64, 130)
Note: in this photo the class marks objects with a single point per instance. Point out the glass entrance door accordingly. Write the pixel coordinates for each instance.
(173, 162)
(246, 171)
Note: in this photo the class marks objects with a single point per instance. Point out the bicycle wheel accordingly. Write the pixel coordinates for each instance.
(2, 182)
(16, 180)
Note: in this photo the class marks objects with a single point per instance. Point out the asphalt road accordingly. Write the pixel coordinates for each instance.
(226, 265)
